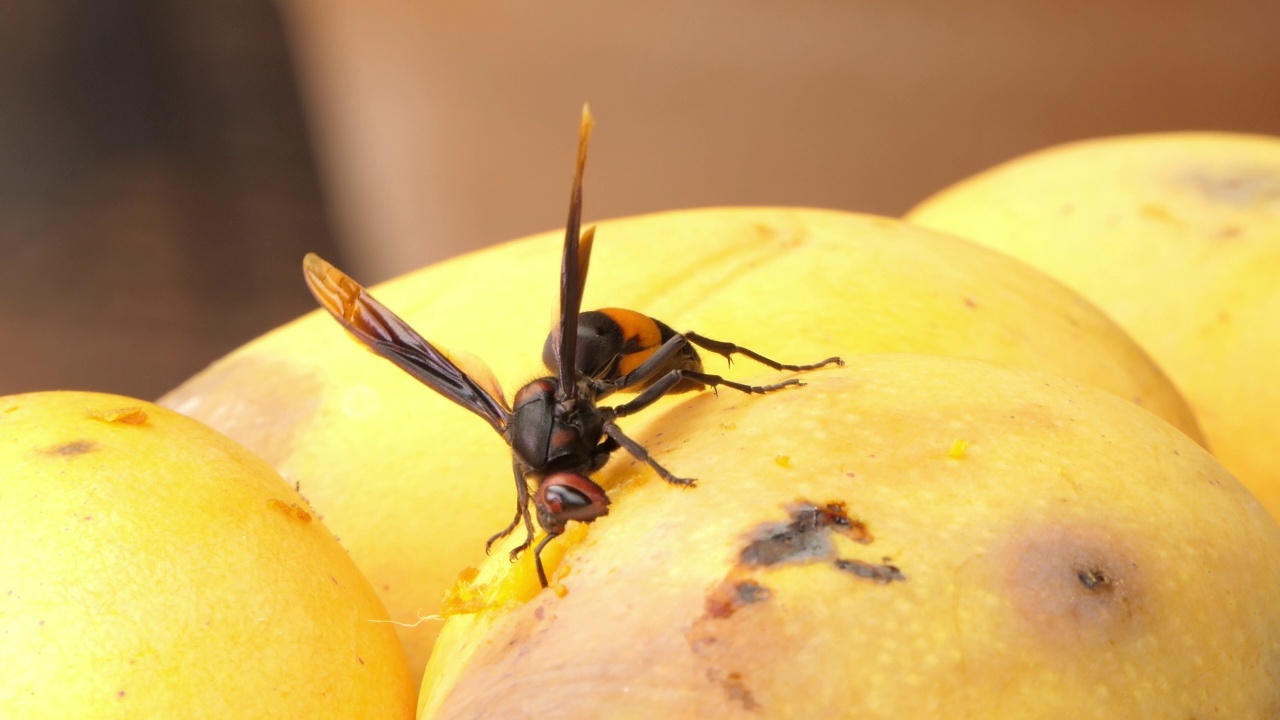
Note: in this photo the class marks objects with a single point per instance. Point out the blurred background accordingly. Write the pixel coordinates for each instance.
(164, 165)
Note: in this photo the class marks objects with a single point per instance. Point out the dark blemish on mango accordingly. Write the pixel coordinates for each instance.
(735, 687)
(1072, 582)
(883, 573)
(1094, 579)
(123, 416)
(292, 510)
(786, 543)
(732, 595)
(71, 449)
(805, 538)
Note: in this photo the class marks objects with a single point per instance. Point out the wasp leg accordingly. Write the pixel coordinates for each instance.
(537, 559)
(674, 377)
(659, 361)
(638, 452)
(522, 512)
(728, 349)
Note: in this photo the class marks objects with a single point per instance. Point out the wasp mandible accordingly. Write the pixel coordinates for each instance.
(557, 432)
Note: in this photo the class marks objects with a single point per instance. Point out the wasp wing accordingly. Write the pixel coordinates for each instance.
(387, 335)
(573, 269)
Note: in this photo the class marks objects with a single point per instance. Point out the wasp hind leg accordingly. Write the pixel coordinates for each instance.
(522, 513)
(727, 350)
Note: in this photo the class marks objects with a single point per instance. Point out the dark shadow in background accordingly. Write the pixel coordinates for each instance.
(157, 186)
(157, 190)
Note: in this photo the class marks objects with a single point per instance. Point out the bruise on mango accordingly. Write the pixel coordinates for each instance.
(71, 449)
(735, 687)
(732, 594)
(806, 538)
(1241, 186)
(883, 573)
(738, 608)
(1071, 582)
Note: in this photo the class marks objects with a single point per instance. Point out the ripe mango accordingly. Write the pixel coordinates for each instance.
(905, 537)
(153, 568)
(414, 485)
(1177, 237)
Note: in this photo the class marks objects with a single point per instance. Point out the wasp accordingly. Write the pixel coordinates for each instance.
(557, 431)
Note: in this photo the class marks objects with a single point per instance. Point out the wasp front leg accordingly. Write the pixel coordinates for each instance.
(522, 512)
(637, 451)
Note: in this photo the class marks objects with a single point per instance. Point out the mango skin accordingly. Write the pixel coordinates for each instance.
(153, 568)
(1177, 237)
(413, 484)
(1059, 553)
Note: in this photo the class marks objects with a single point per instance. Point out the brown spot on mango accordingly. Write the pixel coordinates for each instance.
(732, 594)
(71, 449)
(882, 573)
(1070, 583)
(735, 687)
(806, 538)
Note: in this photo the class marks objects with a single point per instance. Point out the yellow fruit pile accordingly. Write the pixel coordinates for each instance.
(405, 477)
(153, 568)
(1000, 507)
(1175, 236)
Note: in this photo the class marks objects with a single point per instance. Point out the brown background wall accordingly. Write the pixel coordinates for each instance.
(158, 183)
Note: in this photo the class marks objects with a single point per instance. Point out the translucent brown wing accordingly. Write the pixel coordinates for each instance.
(387, 335)
(573, 268)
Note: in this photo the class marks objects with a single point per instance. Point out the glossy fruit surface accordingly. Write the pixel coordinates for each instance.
(413, 484)
(906, 537)
(153, 568)
(1177, 237)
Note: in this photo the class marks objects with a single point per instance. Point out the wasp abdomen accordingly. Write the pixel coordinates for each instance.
(613, 342)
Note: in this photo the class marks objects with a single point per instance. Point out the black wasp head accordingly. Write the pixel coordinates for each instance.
(566, 496)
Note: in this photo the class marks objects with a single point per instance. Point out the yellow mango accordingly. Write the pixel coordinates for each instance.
(414, 485)
(1177, 237)
(906, 537)
(153, 568)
